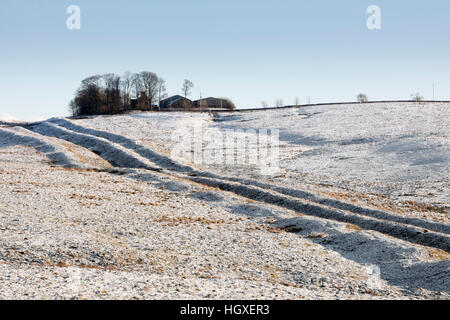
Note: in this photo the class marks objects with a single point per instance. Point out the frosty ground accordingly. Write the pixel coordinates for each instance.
(101, 207)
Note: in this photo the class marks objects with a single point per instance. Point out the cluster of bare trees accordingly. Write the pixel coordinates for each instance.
(278, 103)
(110, 93)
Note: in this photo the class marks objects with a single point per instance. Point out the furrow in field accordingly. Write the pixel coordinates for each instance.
(168, 163)
(124, 152)
(113, 153)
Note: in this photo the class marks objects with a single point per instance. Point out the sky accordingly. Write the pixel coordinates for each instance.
(249, 51)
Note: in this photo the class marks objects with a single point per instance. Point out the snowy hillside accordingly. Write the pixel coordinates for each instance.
(394, 150)
(355, 205)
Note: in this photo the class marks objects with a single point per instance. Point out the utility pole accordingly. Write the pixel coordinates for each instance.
(433, 91)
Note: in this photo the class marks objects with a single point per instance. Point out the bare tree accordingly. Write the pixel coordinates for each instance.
(137, 86)
(108, 83)
(361, 98)
(150, 82)
(297, 101)
(126, 85)
(417, 97)
(113, 100)
(264, 104)
(88, 98)
(74, 108)
(139, 91)
(187, 88)
(161, 91)
(279, 103)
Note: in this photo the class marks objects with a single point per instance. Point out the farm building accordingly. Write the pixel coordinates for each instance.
(213, 103)
(176, 102)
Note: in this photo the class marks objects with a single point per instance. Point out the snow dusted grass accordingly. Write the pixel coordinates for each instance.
(98, 208)
(398, 150)
(82, 234)
(391, 156)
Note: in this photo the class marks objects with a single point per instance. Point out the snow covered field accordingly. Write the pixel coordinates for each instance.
(103, 207)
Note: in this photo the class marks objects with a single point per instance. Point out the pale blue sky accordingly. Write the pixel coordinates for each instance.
(246, 50)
